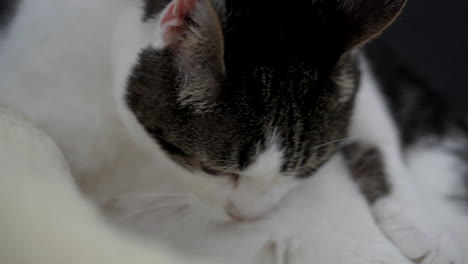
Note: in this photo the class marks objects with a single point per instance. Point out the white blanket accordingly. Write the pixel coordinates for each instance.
(44, 219)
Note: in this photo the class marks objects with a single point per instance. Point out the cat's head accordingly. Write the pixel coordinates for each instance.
(250, 97)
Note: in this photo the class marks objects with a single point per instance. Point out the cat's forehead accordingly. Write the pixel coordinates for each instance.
(267, 162)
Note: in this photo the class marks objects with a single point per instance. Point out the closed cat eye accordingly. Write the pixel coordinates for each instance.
(214, 172)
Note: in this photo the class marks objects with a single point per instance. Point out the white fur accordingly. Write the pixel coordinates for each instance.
(56, 70)
(261, 186)
(46, 220)
(403, 216)
(44, 217)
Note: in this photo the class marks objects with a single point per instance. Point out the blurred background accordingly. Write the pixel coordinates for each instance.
(431, 37)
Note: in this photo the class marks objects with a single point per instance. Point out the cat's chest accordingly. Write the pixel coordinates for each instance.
(311, 215)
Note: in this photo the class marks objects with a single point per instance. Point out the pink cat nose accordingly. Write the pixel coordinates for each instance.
(235, 214)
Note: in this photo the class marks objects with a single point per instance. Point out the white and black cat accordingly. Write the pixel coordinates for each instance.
(240, 109)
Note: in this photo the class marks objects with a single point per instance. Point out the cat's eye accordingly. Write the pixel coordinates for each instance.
(212, 171)
(233, 176)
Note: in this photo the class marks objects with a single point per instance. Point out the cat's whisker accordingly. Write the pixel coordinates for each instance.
(181, 221)
(152, 208)
(331, 142)
(226, 161)
(156, 195)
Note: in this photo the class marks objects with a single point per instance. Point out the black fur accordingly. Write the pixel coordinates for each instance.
(7, 11)
(282, 75)
(233, 133)
(368, 170)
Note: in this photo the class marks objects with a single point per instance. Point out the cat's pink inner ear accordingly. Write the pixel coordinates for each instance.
(173, 19)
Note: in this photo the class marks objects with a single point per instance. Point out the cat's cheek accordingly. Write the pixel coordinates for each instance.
(212, 193)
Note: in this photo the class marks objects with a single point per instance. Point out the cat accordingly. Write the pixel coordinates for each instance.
(251, 100)
(207, 124)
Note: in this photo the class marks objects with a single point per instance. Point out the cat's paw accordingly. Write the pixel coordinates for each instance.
(417, 244)
(300, 250)
(290, 251)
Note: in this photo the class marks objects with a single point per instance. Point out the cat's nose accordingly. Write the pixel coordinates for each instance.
(235, 214)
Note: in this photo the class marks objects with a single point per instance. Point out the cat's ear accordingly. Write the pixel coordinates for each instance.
(366, 19)
(189, 26)
(192, 31)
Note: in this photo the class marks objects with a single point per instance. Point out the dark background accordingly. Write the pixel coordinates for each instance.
(431, 37)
